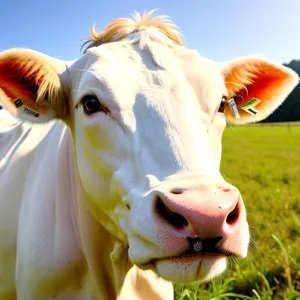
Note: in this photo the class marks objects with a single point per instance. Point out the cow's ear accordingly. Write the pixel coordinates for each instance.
(31, 87)
(258, 87)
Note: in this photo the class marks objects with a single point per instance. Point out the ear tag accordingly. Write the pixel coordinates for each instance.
(249, 106)
(23, 110)
(234, 108)
(18, 103)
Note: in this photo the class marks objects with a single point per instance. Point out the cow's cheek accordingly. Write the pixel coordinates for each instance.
(215, 132)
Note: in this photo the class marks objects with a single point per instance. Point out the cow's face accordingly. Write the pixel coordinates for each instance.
(147, 120)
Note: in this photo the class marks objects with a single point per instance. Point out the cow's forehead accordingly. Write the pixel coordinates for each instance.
(125, 69)
(111, 76)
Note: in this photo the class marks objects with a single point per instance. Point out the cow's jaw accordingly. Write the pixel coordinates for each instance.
(187, 270)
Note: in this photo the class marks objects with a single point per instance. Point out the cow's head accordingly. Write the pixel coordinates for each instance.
(147, 116)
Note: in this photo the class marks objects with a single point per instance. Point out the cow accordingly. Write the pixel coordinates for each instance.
(109, 164)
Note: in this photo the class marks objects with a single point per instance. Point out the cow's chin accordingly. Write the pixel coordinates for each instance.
(190, 269)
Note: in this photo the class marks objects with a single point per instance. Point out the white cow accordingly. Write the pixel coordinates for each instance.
(113, 176)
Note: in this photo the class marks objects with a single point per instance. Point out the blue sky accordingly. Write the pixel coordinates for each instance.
(220, 30)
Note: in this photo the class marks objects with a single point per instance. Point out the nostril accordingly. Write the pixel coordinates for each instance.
(233, 216)
(170, 216)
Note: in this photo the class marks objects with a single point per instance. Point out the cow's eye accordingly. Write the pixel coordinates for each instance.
(92, 105)
(222, 105)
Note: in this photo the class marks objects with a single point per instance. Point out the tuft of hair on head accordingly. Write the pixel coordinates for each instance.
(120, 28)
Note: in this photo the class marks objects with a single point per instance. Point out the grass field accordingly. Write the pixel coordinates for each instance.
(264, 163)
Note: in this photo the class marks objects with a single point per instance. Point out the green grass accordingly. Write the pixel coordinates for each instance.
(264, 163)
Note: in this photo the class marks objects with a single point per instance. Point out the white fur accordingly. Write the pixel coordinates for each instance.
(65, 227)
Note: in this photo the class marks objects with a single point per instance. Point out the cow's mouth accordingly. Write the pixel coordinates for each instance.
(198, 250)
(208, 247)
(189, 267)
(193, 257)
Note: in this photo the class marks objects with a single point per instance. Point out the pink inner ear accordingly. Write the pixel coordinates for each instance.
(19, 79)
(262, 89)
(263, 81)
(13, 81)
(262, 85)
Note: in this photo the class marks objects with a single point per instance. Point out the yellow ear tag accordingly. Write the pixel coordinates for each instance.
(249, 106)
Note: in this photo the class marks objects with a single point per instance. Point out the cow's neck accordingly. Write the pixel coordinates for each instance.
(106, 258)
